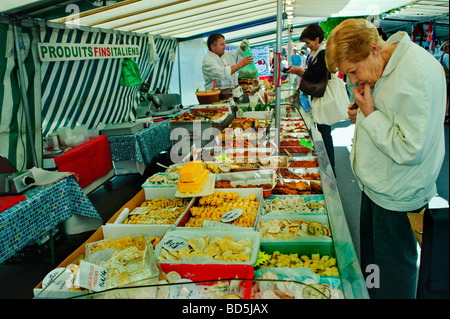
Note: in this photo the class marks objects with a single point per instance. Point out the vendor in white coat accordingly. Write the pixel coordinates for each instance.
(398, 146)
(221, 64)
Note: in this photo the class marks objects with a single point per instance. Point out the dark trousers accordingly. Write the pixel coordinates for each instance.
(434, 258)
(388, 242)
(325, 130)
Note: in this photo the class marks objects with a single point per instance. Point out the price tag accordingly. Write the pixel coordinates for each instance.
(175, 243)
(194, 152)
(59, 279)
(218, 139)
(231, 215)
(188, 291)
(139, 210)
(92, 276)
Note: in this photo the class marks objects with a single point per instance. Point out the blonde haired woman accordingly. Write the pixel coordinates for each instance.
(398, 146)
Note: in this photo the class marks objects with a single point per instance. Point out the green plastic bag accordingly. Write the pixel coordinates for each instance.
(248, 71)
(130, 74)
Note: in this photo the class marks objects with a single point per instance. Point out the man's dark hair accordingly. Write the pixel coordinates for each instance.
(212, 39)
(311, 32)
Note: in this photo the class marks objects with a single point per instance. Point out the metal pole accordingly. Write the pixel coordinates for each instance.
(179, 72)
(24, 93)
(277, 70)
(289, 53)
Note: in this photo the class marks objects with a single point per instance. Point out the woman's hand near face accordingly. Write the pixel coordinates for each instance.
(362, 97)
(352, 112)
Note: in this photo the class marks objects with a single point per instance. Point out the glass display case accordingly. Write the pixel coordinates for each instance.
(309, 267)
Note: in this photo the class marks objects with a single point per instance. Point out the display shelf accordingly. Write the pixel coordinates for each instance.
(348, 276)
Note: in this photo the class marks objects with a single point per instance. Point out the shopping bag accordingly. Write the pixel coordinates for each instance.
(249, 71)
(333, 106)
(314, 89)
(130, 74)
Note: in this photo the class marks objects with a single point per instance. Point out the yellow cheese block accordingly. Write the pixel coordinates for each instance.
(196, 186)
(191, 171)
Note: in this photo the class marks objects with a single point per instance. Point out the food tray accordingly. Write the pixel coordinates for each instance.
(297, 149)
(153, 193)
(294, 136)
(157, 230)
(312, 187)
(300, 171)
(150, 270)
(190, 233)
(170, 180)
(256, 177)
(214, 273)
(306, 159)
(275, 162)
(323, 219)
(320, 199)
(291, 119)
(238, 154)
(293, 127)
(242, 192)
(299, 275)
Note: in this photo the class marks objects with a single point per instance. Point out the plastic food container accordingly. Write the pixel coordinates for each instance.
(247, 178)
(180, 235)
(207, 97)
(104, 252)
(214, 273)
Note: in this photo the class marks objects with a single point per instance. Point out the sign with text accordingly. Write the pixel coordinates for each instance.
(50, 52)
(261, 60)
(175, 243)
(231, 215)
(92, 276)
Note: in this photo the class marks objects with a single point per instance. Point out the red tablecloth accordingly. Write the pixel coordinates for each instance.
(8, 201)
(89, 161)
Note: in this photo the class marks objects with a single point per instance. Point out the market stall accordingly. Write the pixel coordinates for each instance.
(283, 216)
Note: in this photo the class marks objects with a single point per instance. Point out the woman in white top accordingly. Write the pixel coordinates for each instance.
(223, 65)
(398, 146)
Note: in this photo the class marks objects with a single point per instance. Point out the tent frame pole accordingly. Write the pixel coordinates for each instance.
(25, 104)
(277, 70)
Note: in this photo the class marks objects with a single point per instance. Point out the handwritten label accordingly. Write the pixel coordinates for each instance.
(59, 279)
(231, 215)
(92, 276)
(175, 243)
(139, 210)
(188, 291)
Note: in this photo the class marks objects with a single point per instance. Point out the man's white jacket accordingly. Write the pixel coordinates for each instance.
(215, 67)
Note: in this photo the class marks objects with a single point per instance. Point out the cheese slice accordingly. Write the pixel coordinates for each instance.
(191, 171)
(196, 186)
